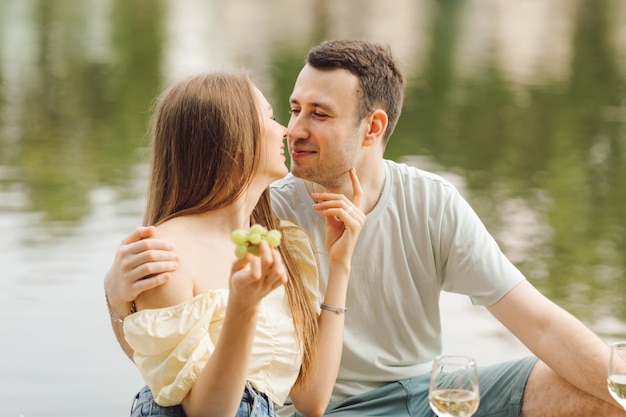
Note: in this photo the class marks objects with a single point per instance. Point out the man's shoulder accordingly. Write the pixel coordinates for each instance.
(285, 190)
(288, 181)
(286, 196)
(409, 173)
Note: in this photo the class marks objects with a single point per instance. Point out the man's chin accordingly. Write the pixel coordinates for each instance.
(298, 172)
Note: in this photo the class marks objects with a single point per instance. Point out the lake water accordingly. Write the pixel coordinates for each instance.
(524, 112)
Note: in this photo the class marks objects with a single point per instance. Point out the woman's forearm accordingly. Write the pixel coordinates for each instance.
(220, 385)
(312, 398)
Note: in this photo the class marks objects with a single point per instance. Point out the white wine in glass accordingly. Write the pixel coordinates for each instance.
(454, 389)
(616, 379)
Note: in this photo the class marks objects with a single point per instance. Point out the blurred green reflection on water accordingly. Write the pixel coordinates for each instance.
(74, 115)
(542, 162)
(522, 105)
(557, 149)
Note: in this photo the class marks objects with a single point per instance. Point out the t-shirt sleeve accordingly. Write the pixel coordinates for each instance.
(172, 345)
(474, 263)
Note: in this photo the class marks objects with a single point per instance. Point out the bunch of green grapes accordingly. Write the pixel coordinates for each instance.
(247, 241)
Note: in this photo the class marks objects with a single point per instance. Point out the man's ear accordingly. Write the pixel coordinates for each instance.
(376, 127)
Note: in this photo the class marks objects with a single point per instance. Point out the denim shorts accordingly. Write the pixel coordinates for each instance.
(501, 391)
(252, 404)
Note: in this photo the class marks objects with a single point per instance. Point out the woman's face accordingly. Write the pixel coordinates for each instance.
(272, 160)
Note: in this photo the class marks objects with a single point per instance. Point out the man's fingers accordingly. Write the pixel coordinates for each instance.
(147, 270)
(356, 188)
(139, 233)
(155, 255)
(149, 251)
(148, 245)
(151, 282)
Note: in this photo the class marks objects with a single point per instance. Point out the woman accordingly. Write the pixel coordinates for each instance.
(223, 326)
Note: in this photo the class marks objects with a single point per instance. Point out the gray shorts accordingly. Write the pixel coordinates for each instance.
(501, 390)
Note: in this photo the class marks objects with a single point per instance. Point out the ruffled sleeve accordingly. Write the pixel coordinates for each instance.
(305, 255)
(173, 344)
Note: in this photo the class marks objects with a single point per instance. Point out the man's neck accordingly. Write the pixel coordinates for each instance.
(373, 185)
(372, 182)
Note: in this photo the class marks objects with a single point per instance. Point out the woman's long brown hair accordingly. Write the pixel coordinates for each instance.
(205, 146)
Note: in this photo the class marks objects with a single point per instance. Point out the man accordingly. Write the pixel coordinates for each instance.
(420, 237)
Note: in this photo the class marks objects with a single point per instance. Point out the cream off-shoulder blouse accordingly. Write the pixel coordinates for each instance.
(173, 344)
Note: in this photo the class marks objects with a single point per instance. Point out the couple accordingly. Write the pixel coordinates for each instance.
(419, 237)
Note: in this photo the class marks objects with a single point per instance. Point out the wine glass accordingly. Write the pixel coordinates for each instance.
(616, 379)
(454, 389)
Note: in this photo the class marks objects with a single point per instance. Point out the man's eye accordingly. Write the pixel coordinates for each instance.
(320, 115)
(294, 111)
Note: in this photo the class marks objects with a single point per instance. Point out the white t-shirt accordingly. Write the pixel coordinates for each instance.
(421, 238)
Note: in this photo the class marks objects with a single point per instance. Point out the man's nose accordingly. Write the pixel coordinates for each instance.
(297, 128)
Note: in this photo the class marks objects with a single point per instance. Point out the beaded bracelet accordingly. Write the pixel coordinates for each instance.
(115, 317)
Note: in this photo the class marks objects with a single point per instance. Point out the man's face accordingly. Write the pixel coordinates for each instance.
(324, 140)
